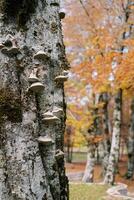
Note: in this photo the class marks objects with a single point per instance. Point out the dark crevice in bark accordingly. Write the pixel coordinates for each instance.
(54, 4)
(47, 167)
(64, 190)
(38, 110)
(19, 82)
(20, 10)
(32, 193)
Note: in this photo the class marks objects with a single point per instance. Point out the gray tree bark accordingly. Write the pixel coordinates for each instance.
(130, 145)
(114, 152)
(31, 144)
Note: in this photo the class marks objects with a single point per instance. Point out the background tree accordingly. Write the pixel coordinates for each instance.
(114, 154)
(130, 145)
(101, 61)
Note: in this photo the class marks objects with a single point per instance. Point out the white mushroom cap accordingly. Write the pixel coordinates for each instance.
(47, 114)
(41, 55)
(50, 119)
(36, 87)
(61, 78)
(45, 140)
(33, 78)
(57, 111)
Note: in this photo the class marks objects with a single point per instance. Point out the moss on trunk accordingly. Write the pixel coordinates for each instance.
(10, 106)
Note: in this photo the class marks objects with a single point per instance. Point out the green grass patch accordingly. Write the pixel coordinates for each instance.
(79, 157)
(87, 191)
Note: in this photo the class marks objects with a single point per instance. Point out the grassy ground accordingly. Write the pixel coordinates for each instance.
(87, 192)
(79, 157)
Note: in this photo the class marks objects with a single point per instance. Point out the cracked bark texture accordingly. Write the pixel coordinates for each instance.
(29, 170)
(115, 144)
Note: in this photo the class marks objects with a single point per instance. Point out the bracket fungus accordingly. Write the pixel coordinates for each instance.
(62, 13)
(9, 47)
(61, 78)
(48, 117)
(45, 140)
(65, 72)
(41, 55)
(13, 50)
(47, 114)
(33, 78)
(36, 87)
(59, 154)
(57, 111)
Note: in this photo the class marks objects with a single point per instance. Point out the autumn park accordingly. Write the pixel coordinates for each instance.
(66, 99)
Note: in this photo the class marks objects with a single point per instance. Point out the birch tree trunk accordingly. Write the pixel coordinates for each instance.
(114, 152)
(89, 170)
(31, 148)
(106, 142)
(130, 145)
(92, 132)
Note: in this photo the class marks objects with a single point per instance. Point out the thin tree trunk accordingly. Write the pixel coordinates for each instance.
(89, 170)
(130, 145)
(114, 152)
(92, 132)
(69, 144)
(106, 142)
(130, 168)
(31, 162)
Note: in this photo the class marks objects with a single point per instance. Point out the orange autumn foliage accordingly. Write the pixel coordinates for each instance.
(93, 37)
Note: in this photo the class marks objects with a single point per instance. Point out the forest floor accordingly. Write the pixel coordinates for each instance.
(78, 169)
